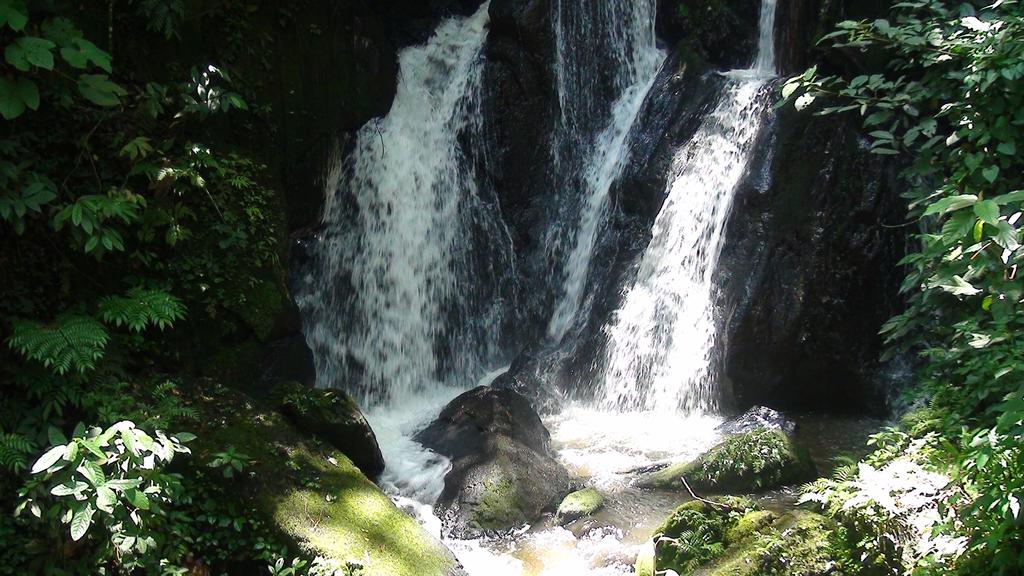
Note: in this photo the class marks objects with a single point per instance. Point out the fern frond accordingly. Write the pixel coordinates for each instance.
(15, 450)
(70, 343)
(140, 308)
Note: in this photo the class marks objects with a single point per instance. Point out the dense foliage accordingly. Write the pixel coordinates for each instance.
(123, 230)
(949, 103)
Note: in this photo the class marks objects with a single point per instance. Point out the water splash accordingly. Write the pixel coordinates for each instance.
(662, 339)
(409, 277)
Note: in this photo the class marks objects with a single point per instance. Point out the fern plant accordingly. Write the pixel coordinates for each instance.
(71, 343)
(141, 308)
(15, 450)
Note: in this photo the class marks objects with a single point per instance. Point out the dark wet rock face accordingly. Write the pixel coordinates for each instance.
(808, 273)
(504, 473)
(723, 33)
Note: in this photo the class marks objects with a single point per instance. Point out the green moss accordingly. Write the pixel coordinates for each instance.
(799, 544)
(751, 462)
(749, 524)
(313, 493)
(695, 533)
(579, 504)
(498, 507)
(263, 303)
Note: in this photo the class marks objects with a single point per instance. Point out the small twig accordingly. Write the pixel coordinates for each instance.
(704, 500)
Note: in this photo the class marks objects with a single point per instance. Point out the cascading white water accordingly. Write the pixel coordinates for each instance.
(394, 304)
(661, 340)
(589, 162)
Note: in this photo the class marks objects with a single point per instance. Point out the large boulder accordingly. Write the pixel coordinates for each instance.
(504, 473)
(800, 543)
(695, 533)
(333, 416)
(744, 463)
(734, 537)
(311, 493)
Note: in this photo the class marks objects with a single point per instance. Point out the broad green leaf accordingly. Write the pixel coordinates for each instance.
(951, 204)
(81, 521)
(16, 95)
(98, 89)
(991, 173)
(988, 211)
(13, 14)
(80, 52)
(959, 287)
(105, 499)
(30, 51)
(55, 436)
(1015, 196)
(93, 473)
(48, 459)
(1007, 236)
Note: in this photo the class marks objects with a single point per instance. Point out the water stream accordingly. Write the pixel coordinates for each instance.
(411, 277)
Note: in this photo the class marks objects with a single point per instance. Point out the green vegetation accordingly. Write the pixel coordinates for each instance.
(140, 243)
(746, 463)
(733, 537)
(949, 103)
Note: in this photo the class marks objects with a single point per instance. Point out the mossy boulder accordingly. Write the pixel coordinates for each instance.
(333, 416)
(579, 504)
(695, 533)
(733, 537)
(312, 493)
(751, 523)
(504, 473)
(745, 463)
(798, 544)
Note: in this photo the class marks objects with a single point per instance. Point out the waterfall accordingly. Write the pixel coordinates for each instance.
(409, 277)
(605, 52)
(661, 340)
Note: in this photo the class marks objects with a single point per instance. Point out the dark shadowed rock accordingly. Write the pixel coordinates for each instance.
(333, 416)
(504, 473)
(525, 377)
(808, 272)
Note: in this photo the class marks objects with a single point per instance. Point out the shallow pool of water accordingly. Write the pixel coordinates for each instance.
(601, 449)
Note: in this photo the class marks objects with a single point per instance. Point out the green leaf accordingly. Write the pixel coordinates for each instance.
(105, 499)
(81, 52)
(48, 459)
(13, 14)
(1007, 236)
(81, 521)
(988, 211)
(1015, 196)
(991, 173)
(30, 51)
(16, 95)
(138, 499)
(93, 473)
(951, 204)
(959, 287)
(55, 436)
(67, 489)
(98, 89)
(1008, 148)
